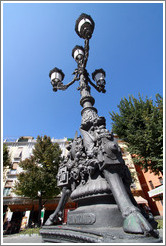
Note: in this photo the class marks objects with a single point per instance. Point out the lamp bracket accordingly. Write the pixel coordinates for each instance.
(64, 87)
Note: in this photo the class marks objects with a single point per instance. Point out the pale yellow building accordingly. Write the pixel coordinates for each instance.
(135, 186)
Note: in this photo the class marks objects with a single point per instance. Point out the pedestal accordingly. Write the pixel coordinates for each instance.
(96, 220)
(79, 234)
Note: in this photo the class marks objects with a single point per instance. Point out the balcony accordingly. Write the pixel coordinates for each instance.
(12, 172)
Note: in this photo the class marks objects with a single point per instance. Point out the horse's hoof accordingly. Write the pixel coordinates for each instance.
(136, 223)
(48, 222)
(131, 224)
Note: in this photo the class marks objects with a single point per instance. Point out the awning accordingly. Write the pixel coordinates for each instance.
(24, 204)
(140, 200)
(156, 191)
(16, 200)
(22, 207)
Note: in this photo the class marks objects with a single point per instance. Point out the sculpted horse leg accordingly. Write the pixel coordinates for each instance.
(134, 221)
(58, 211)
(127, 180)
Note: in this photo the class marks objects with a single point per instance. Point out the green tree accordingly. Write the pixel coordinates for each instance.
(38, 180)
(6, 157)
(140, 124)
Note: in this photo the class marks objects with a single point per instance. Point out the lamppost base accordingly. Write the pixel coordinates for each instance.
(68, 234)
(97, 219)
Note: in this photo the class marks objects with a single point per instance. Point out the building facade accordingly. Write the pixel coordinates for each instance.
(152, 186)
(149, 185)
(19, 210)
(136, 187)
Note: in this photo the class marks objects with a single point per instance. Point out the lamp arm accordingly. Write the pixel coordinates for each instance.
(64, 87)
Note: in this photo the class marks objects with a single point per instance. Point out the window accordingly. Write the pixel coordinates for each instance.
(6, 191)
(161, 200)
(133, 185)
(161, 180)
(151, 184)
(8, 184)
(18, 153)
(12, 172)
(23, 139)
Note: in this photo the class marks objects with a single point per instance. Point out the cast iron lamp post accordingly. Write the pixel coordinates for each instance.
(94, 174)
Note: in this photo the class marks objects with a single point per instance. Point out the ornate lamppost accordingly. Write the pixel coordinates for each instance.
(94, 173)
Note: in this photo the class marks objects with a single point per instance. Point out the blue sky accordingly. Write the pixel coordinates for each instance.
(127, 43)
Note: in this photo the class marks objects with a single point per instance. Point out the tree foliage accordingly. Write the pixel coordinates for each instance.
(140, 125)
(6, 157)
(38, 180)
(40, 170)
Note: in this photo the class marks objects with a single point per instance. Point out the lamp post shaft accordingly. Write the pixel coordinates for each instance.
(89, 113)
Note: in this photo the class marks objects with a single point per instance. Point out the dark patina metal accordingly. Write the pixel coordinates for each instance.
(95, 176)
